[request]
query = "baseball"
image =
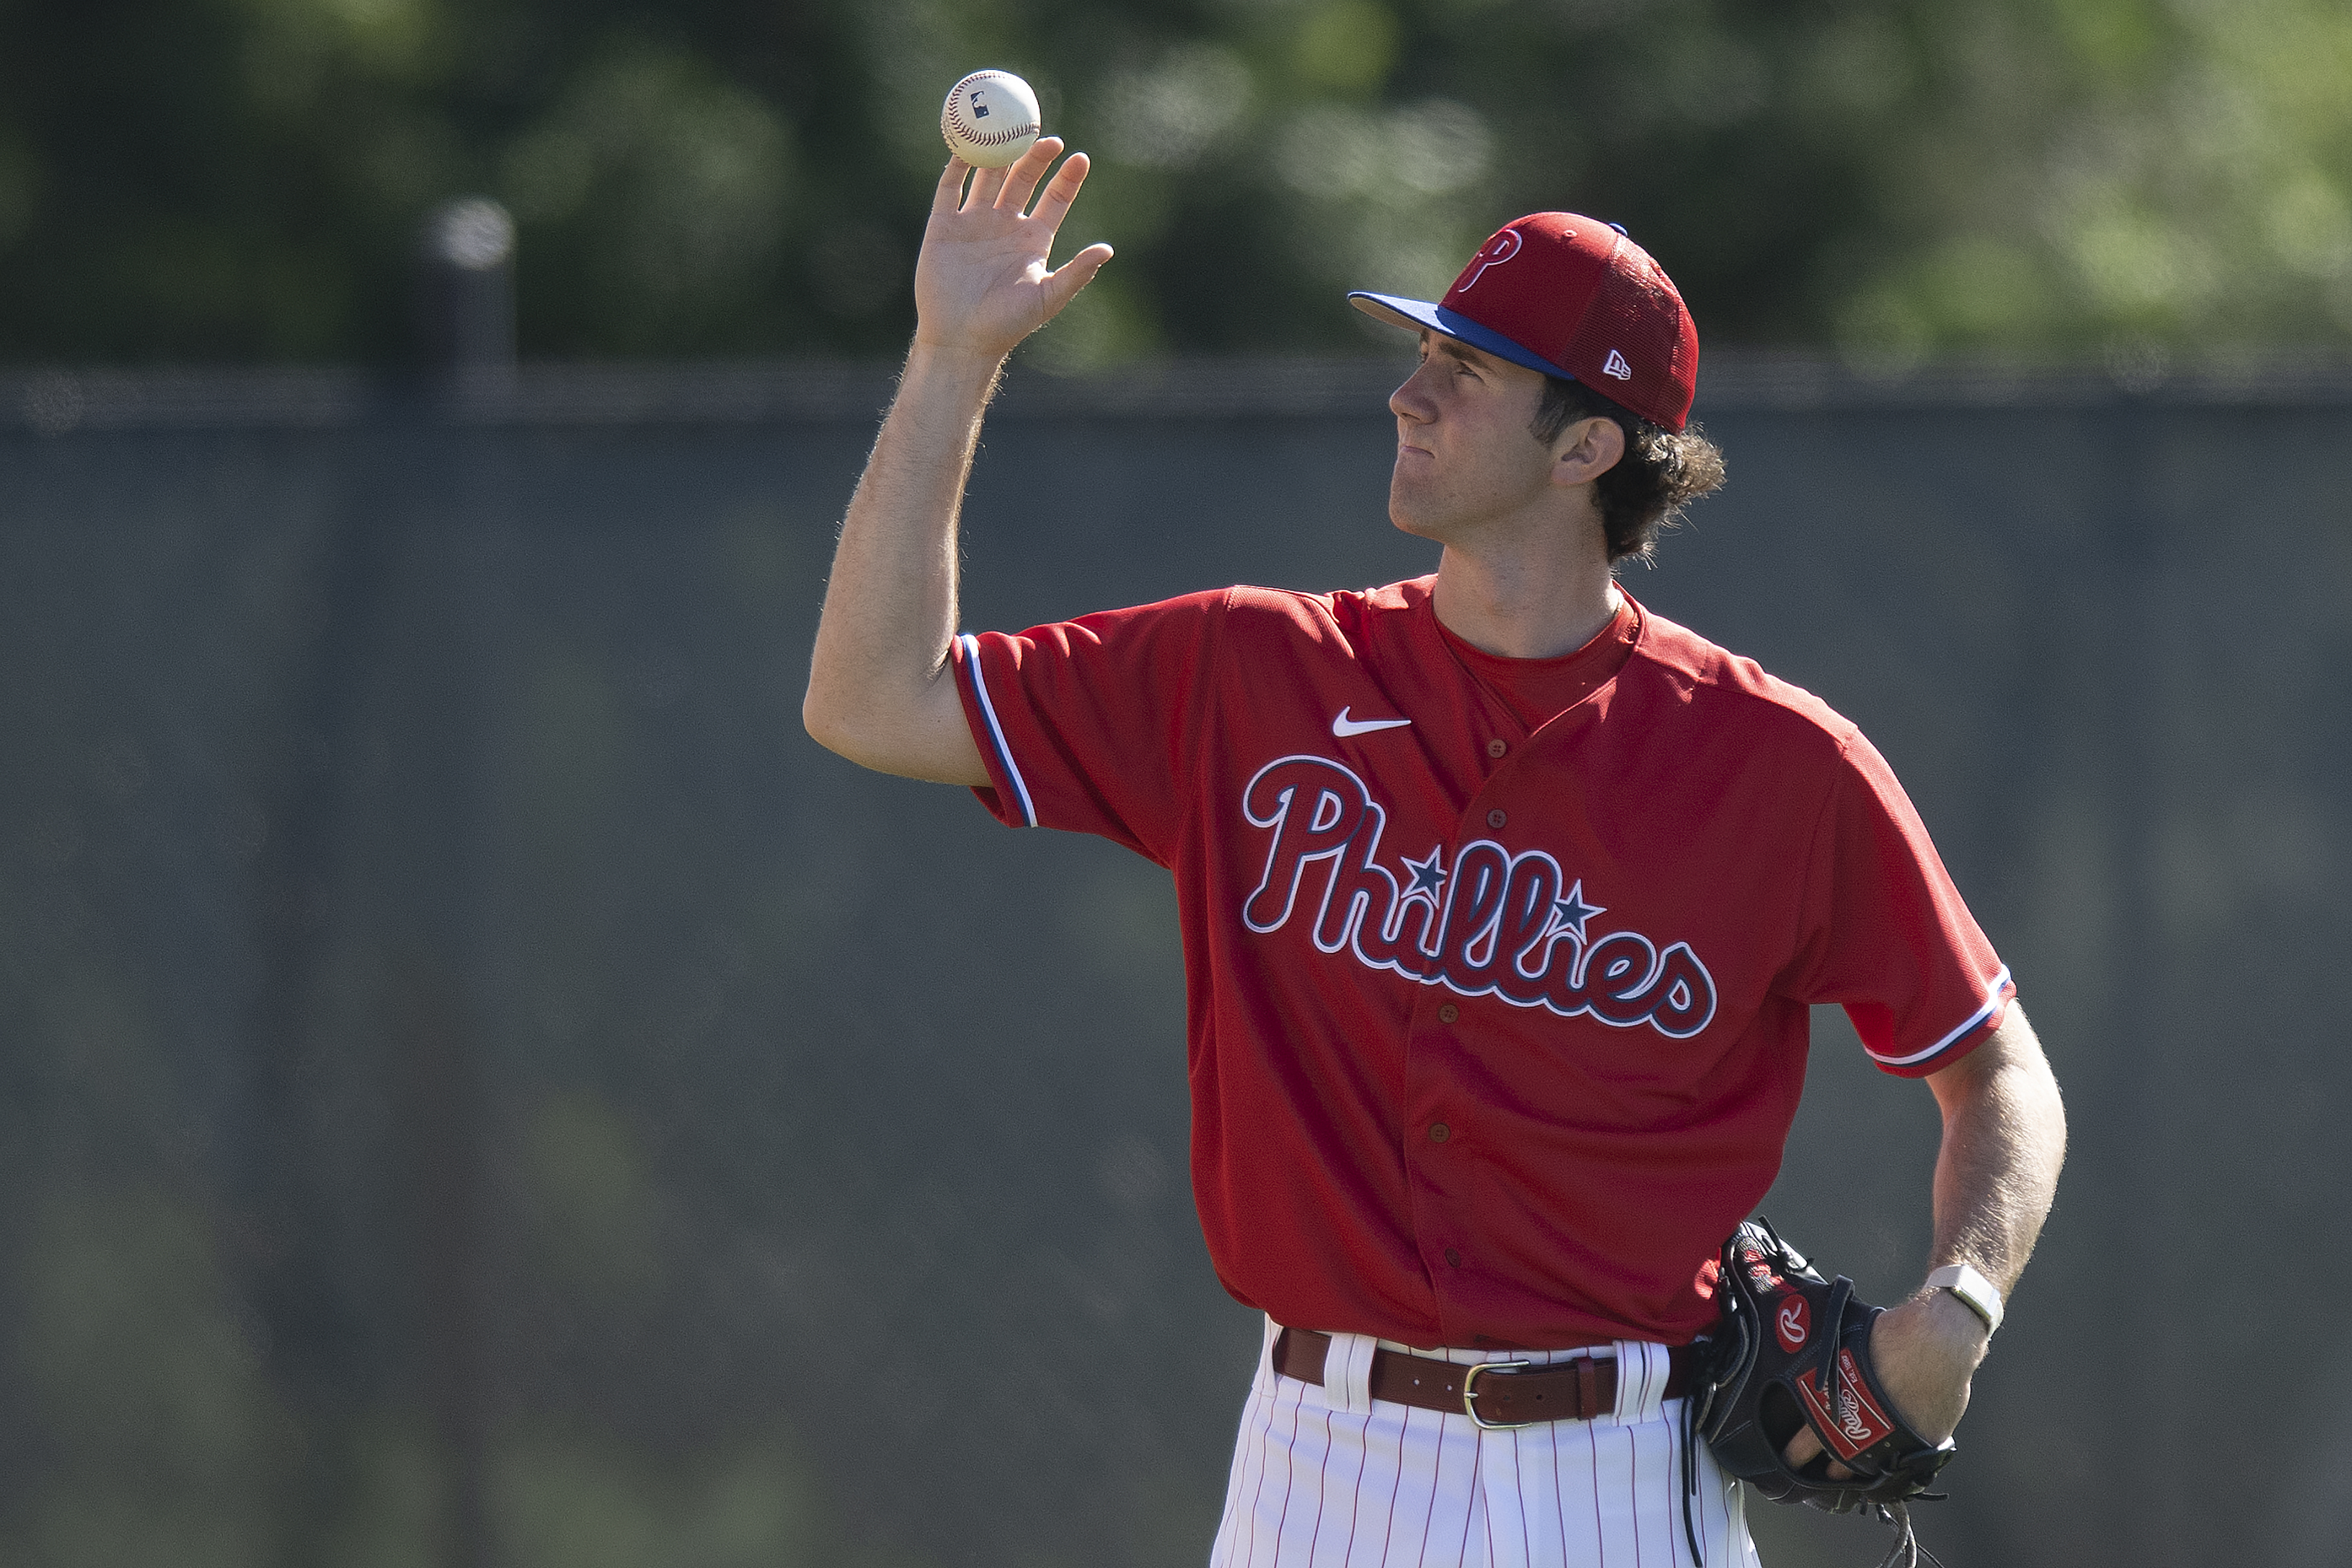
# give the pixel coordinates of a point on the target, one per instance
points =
(989, 119)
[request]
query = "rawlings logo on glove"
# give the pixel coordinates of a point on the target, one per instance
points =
(1758, 1388)
(1788, 1322)
(1857, 1420)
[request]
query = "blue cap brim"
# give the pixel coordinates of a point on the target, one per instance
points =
(1414, 314)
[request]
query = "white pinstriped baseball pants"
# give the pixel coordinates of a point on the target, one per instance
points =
(1325, 1477)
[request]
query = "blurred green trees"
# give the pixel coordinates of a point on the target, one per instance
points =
(238, 179)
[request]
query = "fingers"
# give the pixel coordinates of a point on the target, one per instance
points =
(985, 186)
(1009, 189)
(1799, 1452)
(948, 197)
(1062, 284)
(1021, 178)
(1062, 190)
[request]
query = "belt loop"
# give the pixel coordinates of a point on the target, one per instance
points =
(1642, 1370)
(1348, 1373)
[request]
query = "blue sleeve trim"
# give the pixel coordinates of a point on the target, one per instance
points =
(1975, 1021)
(996, 731)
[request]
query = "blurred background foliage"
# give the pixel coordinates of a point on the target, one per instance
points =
(240, 179)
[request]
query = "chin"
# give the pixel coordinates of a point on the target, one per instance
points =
(1408, 519)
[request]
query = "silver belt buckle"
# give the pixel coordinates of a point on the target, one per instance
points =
(1470, 1390)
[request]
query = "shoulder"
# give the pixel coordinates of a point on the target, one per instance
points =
(1342, 618)
(1162, 625)
(1719, 689)
(1238, 620)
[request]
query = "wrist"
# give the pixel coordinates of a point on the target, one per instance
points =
(1950, 1322)
(946, 360)
(1980, 1295)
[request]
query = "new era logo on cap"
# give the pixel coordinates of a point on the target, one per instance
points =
(1572, 297)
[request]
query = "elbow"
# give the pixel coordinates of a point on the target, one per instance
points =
(850, 726)
(915, 734)
(828, 720)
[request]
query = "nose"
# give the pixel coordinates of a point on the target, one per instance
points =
(1411, 400)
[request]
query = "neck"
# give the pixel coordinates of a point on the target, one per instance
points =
(1525, 603)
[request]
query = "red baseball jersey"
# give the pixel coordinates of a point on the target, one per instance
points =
(1493, 1034)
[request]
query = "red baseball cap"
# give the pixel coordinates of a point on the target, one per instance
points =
(1571, 296)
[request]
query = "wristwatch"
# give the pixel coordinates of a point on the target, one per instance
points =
(1976, 1292)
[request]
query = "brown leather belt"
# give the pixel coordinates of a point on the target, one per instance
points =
(1492, 1394)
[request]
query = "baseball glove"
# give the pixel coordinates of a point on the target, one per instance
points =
(1790, 1349)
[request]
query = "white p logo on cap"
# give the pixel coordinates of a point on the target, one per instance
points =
(1499, 249)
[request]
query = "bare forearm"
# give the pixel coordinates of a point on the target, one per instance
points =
(874, 690)
(2004, 1140)
(879, 692)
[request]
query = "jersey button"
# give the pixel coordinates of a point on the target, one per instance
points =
(1447, 1013)
(1439, 1133)
(1453, 1259)
(1497, 746)
(1495, 818)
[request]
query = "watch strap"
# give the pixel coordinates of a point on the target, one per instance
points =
(1976, 1292)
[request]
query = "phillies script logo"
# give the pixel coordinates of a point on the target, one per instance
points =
(1789, 1323)
(1858, 1421)
(1495, 923)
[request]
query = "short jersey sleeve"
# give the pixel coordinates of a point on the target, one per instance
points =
(1086, 724)
(1884, 933)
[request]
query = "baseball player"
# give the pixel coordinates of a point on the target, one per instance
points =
(1504, 902)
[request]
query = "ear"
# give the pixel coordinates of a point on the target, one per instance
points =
(1586, 451)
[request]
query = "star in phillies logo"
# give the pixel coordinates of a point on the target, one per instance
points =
(1428, 875)
(1494, 923)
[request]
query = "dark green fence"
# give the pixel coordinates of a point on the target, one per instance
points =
(482, 1087)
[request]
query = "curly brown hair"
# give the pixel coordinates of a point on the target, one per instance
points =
(1661, 471)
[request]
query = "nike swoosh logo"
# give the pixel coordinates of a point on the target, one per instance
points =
(1344, 726)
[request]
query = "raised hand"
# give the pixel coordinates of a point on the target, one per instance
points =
(982, 284)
